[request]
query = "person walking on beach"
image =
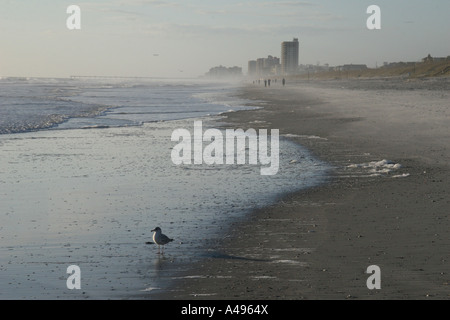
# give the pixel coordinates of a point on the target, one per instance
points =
(268, 82)
(283, 81)
(265, 83)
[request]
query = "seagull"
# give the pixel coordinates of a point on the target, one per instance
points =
(160, 239)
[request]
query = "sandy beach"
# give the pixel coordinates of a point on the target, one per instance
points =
(89, 197)
(386, 203)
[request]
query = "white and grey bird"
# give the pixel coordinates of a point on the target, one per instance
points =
(160, 239)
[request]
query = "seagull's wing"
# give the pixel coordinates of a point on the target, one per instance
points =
(165, 239)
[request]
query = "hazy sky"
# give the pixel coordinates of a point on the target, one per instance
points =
(181, 38)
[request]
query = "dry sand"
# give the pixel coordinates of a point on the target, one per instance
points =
(318, 243)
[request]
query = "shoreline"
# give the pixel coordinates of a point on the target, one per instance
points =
(317, 243)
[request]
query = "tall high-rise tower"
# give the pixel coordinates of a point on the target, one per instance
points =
(289, 57)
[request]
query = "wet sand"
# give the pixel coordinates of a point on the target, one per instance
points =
(318, 243)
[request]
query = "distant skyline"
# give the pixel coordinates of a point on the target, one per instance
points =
(185, 38)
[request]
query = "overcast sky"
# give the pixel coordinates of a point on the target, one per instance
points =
(184, 38)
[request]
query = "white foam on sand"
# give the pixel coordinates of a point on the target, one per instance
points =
(150, 289)
(376, 168)
(404, 175)
(300, 263)
(290, 135)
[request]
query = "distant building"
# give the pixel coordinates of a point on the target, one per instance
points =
(224, 72)
(263, 67)
(289, 57)
(269, 66)
(429, 58)
(260, 67)
(252, 68)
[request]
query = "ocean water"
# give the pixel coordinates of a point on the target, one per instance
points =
(36, 103)
(86, 173)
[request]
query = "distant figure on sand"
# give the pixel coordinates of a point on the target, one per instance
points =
(265, 83)
(283, 81)
(160, 239)
(268, 82)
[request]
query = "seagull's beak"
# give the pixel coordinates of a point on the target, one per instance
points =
(153, 230)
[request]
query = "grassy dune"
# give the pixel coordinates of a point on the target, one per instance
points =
(410, 70)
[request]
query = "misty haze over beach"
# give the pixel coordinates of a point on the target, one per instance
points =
(186, 38)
